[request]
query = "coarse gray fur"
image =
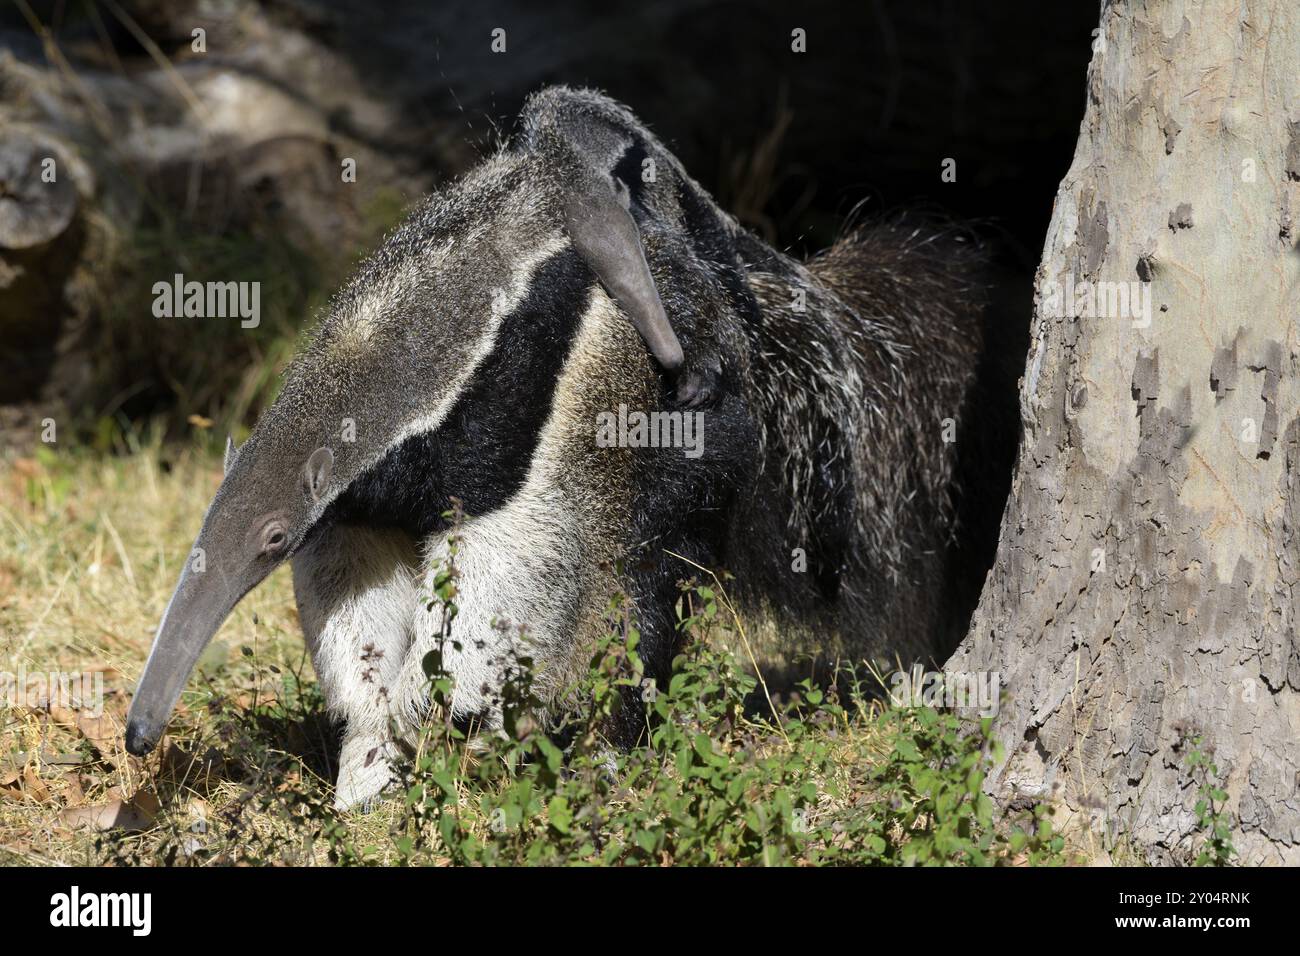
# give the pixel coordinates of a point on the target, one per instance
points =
(471, 355)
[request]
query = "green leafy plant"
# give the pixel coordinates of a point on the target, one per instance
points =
(726, 772)
(1212, 817)
(934, 809)
(717, 780)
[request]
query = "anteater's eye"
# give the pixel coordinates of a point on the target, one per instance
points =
(273, 539)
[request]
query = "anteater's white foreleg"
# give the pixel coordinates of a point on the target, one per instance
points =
(357, 596)
(518, 594)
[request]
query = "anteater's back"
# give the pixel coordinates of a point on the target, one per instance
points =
(861, 362)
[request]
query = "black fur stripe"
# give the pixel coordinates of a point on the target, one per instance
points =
(482, 451)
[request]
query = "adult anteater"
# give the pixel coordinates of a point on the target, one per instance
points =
(484, 353)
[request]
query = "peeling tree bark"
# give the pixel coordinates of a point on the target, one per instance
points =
(1148, 571)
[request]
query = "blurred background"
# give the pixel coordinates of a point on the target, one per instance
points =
(224, 163)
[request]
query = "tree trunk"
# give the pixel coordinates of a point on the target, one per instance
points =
(1148, 569)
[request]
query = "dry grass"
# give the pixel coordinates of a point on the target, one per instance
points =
(90, 548)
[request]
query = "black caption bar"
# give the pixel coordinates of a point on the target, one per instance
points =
(139, 904)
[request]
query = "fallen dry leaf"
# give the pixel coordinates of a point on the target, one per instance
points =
(104, 732)
(73, 795)
(196, 770)
(63, 716)
(135, 814)
(26, 785)
(12, 768)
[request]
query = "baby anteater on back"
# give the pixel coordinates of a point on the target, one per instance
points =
(609, 375)
(861, 364)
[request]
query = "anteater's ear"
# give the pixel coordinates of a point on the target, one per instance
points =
(590, 138)
(229, 458)
(605, 234)
(316, 473)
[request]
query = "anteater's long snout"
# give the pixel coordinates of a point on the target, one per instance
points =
(201, 602)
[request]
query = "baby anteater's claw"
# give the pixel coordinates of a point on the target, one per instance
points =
(698, 384)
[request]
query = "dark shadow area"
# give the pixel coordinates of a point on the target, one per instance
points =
(255, 745)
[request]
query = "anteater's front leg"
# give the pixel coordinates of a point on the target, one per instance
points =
(519, 593)
(357, 596)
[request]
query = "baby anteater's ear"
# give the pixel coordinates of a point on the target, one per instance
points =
(586, 137)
